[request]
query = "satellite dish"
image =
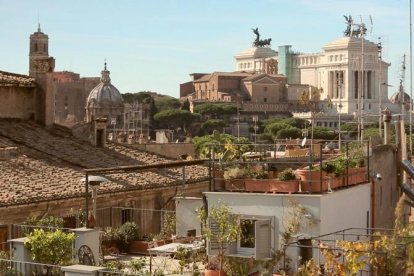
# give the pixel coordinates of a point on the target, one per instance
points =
(303, 142)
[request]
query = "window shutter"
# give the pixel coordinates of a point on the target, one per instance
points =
(212, 243)
(263, 239)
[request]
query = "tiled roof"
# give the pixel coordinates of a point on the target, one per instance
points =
(223, 74)
(7, 78)
(50, 166)
(259, 76)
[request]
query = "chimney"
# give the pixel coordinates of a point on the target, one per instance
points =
(386, 118)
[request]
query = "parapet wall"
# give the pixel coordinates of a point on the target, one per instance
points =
(169, 150)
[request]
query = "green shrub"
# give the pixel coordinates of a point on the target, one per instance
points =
(50, 247)
(110, 234)
(128, 232)
(235, 173)
(286, 174)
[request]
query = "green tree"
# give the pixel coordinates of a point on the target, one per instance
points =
(216, 110)
(275, 127)
(324, 133)
(139, 97)
(173, 118)
(213, 124)
(50, 247)
(295, 122)
(370, 132)
(221, 143)
(291, 132)
(227, 228)
(166, 103)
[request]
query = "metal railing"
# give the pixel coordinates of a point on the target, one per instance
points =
(313, 178)
(16, 268)
(384, 253)
(21, 230)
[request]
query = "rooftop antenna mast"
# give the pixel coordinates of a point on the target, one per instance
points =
(401, 87)
(359, 30)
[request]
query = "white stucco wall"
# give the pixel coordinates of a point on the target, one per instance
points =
(330, 212)
(186, 218)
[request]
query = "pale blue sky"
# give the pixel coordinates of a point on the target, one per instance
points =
(155, 44)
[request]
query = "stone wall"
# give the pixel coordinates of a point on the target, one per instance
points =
(17, 102)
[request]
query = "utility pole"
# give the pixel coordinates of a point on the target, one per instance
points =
(238, 120)
(340, 87)
(402, 80)
(379, 87)
(362, 32)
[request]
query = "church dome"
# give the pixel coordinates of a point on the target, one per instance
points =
(398, 98)
(105, 95)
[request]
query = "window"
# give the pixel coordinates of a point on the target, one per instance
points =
(247, 237)
(126, 215)
(256, 238)
(265, 88)
(265, 100)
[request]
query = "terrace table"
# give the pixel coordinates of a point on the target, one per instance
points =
(168, 250)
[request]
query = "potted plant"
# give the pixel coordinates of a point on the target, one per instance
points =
(258, 180)
(234, 178)
(220, 228)
(212, 268)
(110, 239)
(286, 182)
(334, 172)
(312, 179)
(141, 245)
(127, 232)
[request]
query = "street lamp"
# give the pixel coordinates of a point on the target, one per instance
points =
(94, 181)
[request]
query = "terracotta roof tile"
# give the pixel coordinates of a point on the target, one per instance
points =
(51, 166)
(7, 78)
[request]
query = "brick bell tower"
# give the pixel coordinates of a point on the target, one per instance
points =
(39, 60)
(41, 65)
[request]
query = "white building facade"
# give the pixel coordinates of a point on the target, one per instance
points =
(336, 73)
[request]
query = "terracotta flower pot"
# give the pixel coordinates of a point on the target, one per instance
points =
(312, 181)
(284, 186)
(257, 185)
(208, 272)
(234, 185)
(138, 247)
(336, 182)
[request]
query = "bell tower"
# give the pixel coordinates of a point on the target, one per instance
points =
(39, 60)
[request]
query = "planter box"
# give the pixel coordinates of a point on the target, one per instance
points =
(257, 185)
(336, 182)
(357, 175)
(139, 247)
(235, 185)
(312, 181)
(284, 186)
(271, 185)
